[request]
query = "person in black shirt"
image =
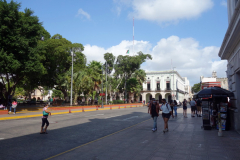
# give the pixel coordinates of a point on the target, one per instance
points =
(153, 109)
(184, 108)
(199, 108)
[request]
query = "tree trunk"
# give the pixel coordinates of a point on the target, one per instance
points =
(75, 98)
(64, 93)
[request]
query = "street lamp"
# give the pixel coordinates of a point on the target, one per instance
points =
(71, 80)
(106, 82)
(102, 87)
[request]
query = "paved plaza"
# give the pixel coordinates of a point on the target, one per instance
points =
(119, 134)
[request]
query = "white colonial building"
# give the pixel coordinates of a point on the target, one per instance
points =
(230, 51)
(165, 85)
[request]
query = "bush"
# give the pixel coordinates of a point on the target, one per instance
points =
(118, 101)
(100, 102)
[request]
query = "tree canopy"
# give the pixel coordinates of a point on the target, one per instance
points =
(31, 58)
(196, 87)
(19, 36)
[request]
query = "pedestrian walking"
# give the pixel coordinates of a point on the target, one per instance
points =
(154, 112)
(45, 119)
(50, 101)
(172, 105)
(166, 113)
(193, 107)
(10, 106)
(199, 108)
(175, 107)
(184, 108)
(14, 106)
(2, 106)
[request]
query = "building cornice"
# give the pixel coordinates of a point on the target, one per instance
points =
(232, 36)
(165, 72)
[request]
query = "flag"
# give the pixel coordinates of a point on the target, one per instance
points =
(127, 52)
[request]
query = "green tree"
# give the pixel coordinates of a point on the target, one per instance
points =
(196, 87)
(126, 65)
(20, 33)
(58, 60)
(140, 76)
(109, 58)
(57, 93)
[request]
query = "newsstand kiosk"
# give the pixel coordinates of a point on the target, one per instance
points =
(206, 115)
(213, 111)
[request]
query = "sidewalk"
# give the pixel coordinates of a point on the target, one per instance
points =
(63, 110)
(185, 140)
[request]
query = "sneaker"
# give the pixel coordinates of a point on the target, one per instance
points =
(199, 116)
(14, 113)
(193, 116)
(166, 129)
(9, 111)
(153, 129)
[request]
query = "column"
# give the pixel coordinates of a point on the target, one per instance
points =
(152, 85)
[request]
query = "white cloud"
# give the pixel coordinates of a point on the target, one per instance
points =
(166, 10)
(224, 3)
(187, 56)
(83, 13)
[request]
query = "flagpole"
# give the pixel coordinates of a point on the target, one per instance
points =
(133, 36)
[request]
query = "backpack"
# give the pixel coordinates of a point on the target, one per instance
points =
(166, 105)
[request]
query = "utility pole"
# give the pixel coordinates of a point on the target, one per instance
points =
(106, 83)
(125, 91)
(71, 80)
(102, 87)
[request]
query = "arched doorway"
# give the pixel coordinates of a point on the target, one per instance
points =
(168, 97)
(158, 97)
(148, 97)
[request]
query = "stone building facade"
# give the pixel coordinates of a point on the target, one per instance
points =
(214, 78)
(230, 51)
(167, 85)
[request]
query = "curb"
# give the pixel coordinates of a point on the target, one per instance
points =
(68, 112)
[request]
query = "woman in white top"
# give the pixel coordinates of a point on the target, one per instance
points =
(166, 113)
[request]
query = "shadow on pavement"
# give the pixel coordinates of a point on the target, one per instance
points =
(39, 146)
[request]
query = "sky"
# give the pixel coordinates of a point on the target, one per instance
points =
(186, 34)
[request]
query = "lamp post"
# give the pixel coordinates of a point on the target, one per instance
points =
(106, 82)
(102, 86)
(71, 80)
(125, 89)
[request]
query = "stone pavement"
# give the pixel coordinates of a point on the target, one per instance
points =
(185, 140)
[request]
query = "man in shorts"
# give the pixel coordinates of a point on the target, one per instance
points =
(199, 108)
(193, 107)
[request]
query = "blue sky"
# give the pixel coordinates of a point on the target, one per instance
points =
(188, 32)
